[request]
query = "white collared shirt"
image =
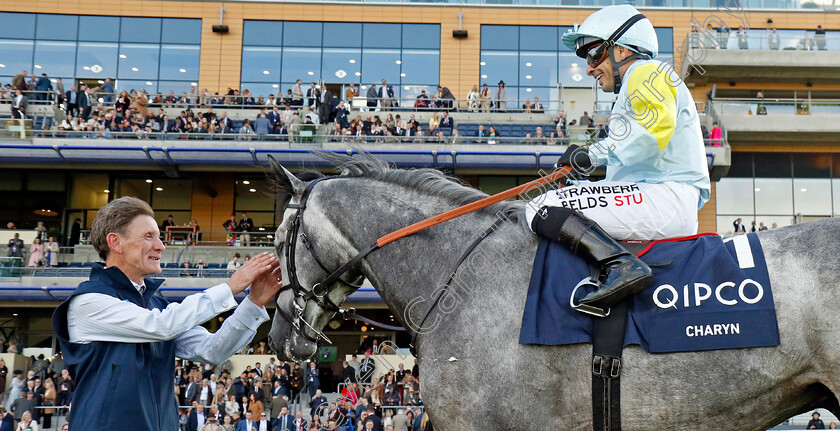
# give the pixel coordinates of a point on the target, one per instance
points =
(99, 317)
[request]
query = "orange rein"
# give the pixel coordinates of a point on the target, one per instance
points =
(477, 205)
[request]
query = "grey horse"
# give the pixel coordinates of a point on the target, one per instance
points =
(475, 375)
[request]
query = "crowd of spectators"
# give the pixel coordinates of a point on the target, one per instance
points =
(263, 397)
(718, 38)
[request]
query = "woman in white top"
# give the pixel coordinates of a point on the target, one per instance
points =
(26, 422)
(472, 98)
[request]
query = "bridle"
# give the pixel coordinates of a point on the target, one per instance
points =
(319, 292)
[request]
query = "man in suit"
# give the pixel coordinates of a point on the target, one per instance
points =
(313, 382)
(43, 86)
(325, 105)
(313, 96)
(342, 115)
(447, 96)
(72, 101)
(225, 125)
(367, 368)
(59, 92)
(246, 424)
(108, 89)
(196, 418)
(739, 227)
(84, 99)
(274, 116)
(447, 122)
(400, 421)
(318, 404)
(481, 132)
(372, 96)
(371, 417)
(300, 423)
(284, 421)
(19, 105)
(191, 393)
(386, 95)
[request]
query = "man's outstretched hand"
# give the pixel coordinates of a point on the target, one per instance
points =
(255, 269)
(266, 286)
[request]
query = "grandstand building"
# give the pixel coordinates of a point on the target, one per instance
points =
(775, 163)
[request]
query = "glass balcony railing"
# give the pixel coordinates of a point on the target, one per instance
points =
(693, 4)
(776, 107)
(760, 39)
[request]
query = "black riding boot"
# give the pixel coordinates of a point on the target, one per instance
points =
(621, 273)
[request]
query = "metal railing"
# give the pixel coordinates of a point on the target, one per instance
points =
(358, 103)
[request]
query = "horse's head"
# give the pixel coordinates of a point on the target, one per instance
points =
(310, 247)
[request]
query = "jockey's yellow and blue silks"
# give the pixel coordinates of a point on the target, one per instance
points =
(655, 132)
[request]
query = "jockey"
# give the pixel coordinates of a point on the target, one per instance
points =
(657, 177)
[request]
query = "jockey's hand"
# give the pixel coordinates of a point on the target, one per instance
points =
(578, 158)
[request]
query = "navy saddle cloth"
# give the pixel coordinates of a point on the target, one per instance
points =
(708, 294)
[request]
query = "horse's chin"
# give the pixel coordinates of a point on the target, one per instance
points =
(295, 349)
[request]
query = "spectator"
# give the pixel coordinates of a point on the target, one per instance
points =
(584, 119)
(738, 226)
(434, 123)
(501, 97)
(716, 135)
(246, 224)
(723, 36)
(15, 388)
(246, 131)
(537, 107)
(197, 417)
(819, 38)
(815, 423)
(27, 423)
(19, 81)
(44, 86)
(743, 38)
(16, 247)
(492, 135)
(262, 125)
(773, 39)
(65, 388)
(325, 104)
(485, 98)
(373, 418)
(24, 405)
(760, 108)
(473, 99)
(36, 253)
(317, 403)
(231, 227)
(7, 421)
(386, 95)
(313, 381)
(448, 99)
(372, 96)
(234, 264)
(350, 93)
(19, 105)
(48, 399)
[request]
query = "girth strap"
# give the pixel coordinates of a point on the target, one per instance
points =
(607, 345)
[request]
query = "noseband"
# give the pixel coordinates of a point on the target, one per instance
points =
(318, 292)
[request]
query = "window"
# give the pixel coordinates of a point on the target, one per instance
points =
(23, 28)
(138, 61)
(140, 30)
(261, 64)
(179, 62)
(96, 59)
(54, 58)
(181, 31)
(99, 28)
(56, 27)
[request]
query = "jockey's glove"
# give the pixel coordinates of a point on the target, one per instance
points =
(578, 158)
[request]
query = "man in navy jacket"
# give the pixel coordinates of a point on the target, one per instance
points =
(120, 340)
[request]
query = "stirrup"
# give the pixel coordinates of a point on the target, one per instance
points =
(584, 308)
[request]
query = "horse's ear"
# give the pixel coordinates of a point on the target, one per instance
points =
(287, 184)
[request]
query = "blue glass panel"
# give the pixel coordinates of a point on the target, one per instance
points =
(177, 87)
(260, 88)
(54, 58)
(421, 36)
(501, 37)
(179, 62)
(140, 30)
(420, 67)
(96, 59)
(301, 63)
(138, 61)
(537, 38)
(15, 56)
(296, 33)
(537, 68)
(99, 28)
(57, 27)
(23, 28)
(499, 66)
(263, 33)
(341, 65)
(342, 34)
(128, 85)
(381, 35)
(572, 72)
(379, 64)
(261, 64)
(666, 39)
(181, 31)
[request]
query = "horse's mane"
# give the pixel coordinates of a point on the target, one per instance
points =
(428, 181)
